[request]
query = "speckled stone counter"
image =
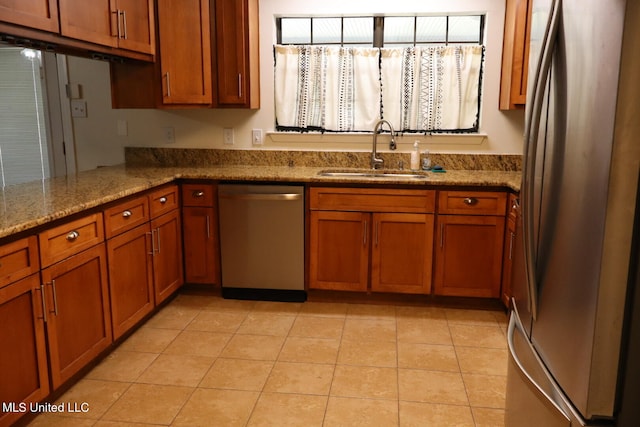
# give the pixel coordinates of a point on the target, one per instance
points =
(26, 206)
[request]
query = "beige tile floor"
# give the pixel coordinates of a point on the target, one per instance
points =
(206, 361)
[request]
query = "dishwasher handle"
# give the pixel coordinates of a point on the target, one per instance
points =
(261, 196)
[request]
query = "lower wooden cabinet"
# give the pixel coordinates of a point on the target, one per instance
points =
(401, 252)
(371, 239)
(339, 250)
(23, 358)
(130, 278)
(201, 253)
(468, 259)
(167, 255)
(78, 312)
(509, 243)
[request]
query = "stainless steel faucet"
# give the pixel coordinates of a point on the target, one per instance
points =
(375, 160)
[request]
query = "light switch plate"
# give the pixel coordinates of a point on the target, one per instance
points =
(256, 136)
(227, 136)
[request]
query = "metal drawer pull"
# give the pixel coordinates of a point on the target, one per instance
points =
(198, 193)
(55, 297)
(168, 85)
(124, 24)
(126, 214)
(73, 236)
(153, 247)
(470, 201)
(163, 200)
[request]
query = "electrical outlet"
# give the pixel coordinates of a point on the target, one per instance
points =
(256, 137)
(169, 135)
(78, 108)
(227, 136)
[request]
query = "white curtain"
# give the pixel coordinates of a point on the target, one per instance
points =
(431, 88)
(417, 89)
(327, 87)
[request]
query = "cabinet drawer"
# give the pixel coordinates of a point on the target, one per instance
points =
(372, 200)
(18, 259)
(163, 200)
(198, 194)
(126, 215)
(61, 242)
(472, 203)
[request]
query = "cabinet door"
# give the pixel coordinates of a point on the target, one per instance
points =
(339, 250)
(167, 259)
(507, 262)
(94, 21)
(515, 54)
(137, 28)
(39, 14)
(23, 359)
(78, 318)
(237, 53)
(201, 254)
(185, 51)
(401, 254)
(469, 255)
(130, 278)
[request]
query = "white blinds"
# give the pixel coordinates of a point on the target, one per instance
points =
(417, 89)
(23, 147)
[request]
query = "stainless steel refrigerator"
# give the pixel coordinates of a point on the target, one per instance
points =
(574, 330)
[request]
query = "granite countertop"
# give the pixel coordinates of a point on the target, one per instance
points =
(25, 206)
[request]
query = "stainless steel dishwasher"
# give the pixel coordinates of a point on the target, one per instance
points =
(262, 241)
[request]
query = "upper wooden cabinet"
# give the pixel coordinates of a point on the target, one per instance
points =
(515, 54)
(40, 14)
(237, 45)
(185, 51)
(124, 24)
(208, 58)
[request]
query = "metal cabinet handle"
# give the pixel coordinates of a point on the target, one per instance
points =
(376, 232)
(364, 233)
(153, 248)
(511, 245)
(163, 200)
(124, 23)
(55, 297)
(198, 193)
(239, 85)
(208, 227)
(441, 235)
(470, 201)
(44, 303)
(72, 236)
(158, 238)
(168, 84)
(117, 14)
(126, 214)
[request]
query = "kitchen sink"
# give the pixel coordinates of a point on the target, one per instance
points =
(372, 173)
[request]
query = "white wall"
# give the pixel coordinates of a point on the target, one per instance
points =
(97, 141)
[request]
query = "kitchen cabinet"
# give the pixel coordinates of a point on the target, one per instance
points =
(371, 239)
(78, 312)
(200, 233)
(130, 266)
(38, 14)
(123, 24)
(509, 241)
(23, 369)
(166, 235)
(469, 243)
(237, 57)
(515, 54)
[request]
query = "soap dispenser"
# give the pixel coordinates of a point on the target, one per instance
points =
(415, 157)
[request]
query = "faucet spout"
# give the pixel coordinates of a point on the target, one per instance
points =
(375, 160)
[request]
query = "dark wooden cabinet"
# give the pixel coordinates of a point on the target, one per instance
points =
(124, 24)
(469, 243)
(237, 53)
(167, 259)
(130, 278)
(38, 14)
(339, 250)
(515, 54)
(371, 239)
(200, 233)
(402, 252)
(23, 359)
(509, 242)
(78, 312)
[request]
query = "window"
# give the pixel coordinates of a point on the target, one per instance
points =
(24, 154)
(381, 31)
(343, 74)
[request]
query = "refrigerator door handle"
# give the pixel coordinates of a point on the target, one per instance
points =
(532, 127)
